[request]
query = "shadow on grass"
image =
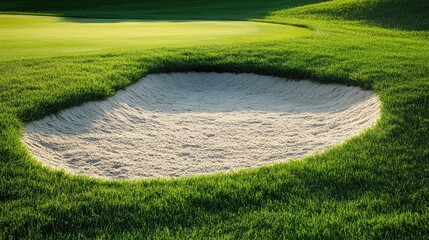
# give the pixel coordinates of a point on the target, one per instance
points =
(76, 11)
(404, 14)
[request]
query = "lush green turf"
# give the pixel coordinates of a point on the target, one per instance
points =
(402, 14)
(373, 186)
(168, 10)
(37, 36)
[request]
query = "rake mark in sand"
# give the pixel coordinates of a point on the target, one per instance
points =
(183, 124)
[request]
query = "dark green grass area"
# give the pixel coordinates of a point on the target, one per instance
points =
(402, 14)
(375, 186)
(168, 10)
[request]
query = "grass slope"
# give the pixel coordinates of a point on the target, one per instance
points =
(401, 14)
(374, 186)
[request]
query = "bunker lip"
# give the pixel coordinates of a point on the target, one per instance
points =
(184, 124)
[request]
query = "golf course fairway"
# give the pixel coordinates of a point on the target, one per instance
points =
(41, 36)
(373, 185)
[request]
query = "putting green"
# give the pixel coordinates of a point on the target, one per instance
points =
(24, 36)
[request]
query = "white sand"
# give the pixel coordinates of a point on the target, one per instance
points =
(182, 124)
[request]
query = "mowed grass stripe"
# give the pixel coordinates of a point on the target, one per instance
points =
(40, 36)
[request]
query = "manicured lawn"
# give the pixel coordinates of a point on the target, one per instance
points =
(165, 10)
(373, 186)
(38, 36)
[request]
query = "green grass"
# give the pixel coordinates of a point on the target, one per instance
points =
(401, 14)
(38, 36)
(374, 186)
(166, 10)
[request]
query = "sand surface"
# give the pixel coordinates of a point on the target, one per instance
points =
(182, 124)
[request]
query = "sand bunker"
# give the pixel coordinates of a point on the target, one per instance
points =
(182, 124)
